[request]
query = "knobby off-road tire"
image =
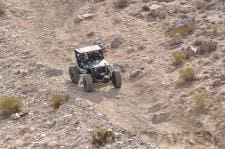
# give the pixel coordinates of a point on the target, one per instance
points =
(74, 74)
(88, 83)
(116, 79)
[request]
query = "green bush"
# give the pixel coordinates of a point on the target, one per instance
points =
(199, 100)
(187, 74)
(10, 105)
(102, 137)
(2, 8)
(58, 98)
(178, 58)
(182, 31)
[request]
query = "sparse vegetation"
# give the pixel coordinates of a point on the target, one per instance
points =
(178, 58)
(199, 4)
(58, 98)
(120, 4)
(187, 74)
(184, 10)
(10, 105)
(116, 20)
(2, 8)
(102, 137)
(182, 31)
(38, 39)
(199, 101)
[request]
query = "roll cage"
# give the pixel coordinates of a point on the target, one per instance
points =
(86, 57)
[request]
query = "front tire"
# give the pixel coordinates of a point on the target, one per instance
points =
(88, 83)
(74, 74)
(116, 79)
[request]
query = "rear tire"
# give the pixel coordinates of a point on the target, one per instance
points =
(74, 74)
(116, 79)
(88, 83)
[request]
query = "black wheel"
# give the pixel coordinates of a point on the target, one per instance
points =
(116, 79)
(74, 74)
(88, 83)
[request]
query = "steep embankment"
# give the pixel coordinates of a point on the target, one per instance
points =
(36, 48)
(38, 39)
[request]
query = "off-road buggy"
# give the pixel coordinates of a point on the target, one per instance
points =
(94, 68)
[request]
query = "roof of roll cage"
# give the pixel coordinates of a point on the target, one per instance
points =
(88, 49)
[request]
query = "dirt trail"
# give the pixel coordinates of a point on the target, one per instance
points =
(56, 36)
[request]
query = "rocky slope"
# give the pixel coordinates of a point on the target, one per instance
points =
(152, 109)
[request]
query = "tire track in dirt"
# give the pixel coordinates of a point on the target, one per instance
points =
(55, 36)
(123, 106)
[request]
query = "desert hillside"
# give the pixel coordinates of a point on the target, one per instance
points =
(171, 54)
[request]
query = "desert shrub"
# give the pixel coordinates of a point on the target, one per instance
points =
(178, 58)
(199, 101)
(116, 20)
(10, 105)
(102, 137)
(199, 4)
(182, 31)
(184, 10)
(2, 8)
(120, 4)
(58, 98)
(187, 74)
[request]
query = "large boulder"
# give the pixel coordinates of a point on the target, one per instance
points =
(137, 73)
(146, 7)
(185, 9)
(116, 42)
(160, 118)
(157, 11)
(154, 11)
(182, 26)
(187, 21)
(83, 17)
(204, 46)
(200, 46)
(28, 89)
(176, 40)
(189, 52)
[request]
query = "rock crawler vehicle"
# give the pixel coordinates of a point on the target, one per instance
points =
(92, 66)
